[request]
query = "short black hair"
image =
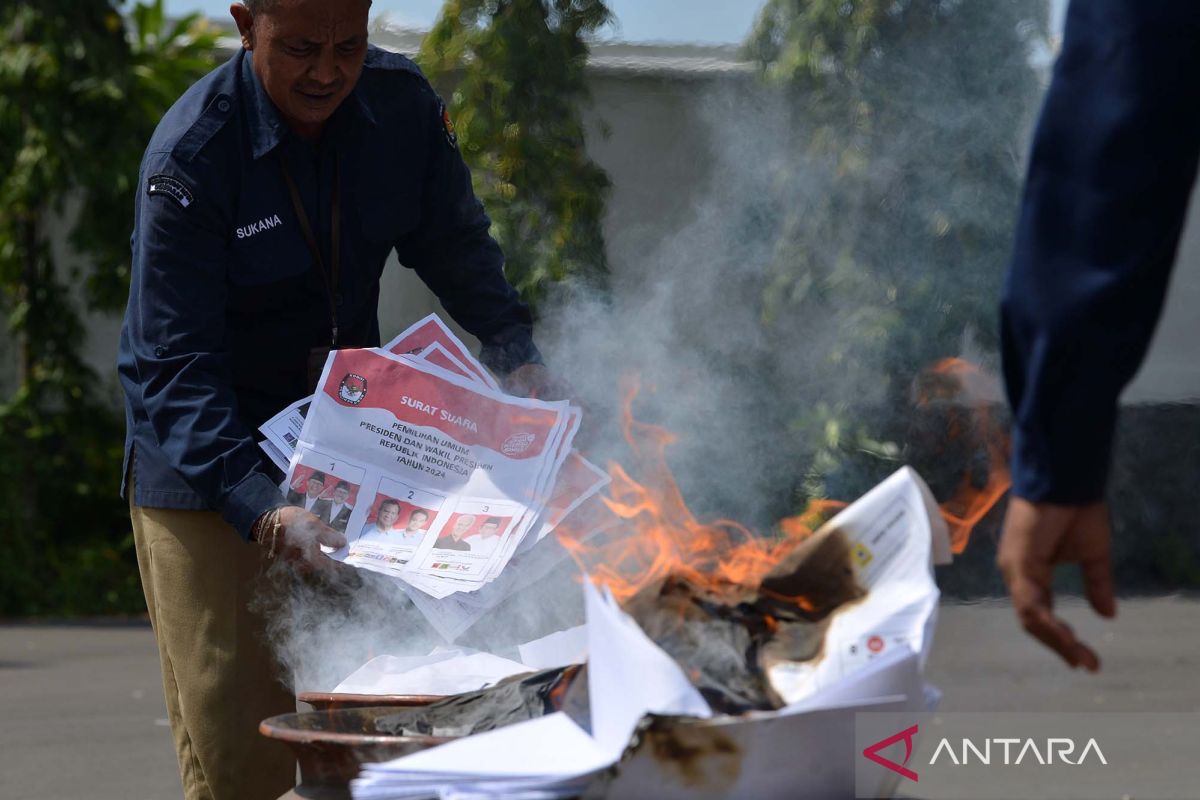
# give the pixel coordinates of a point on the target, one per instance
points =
(492, 521)
(389, 502)
(420, 511)
(342, 485)
(257, 6)
(317, 476)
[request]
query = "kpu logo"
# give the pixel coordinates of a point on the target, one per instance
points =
(906, 736)
(353, 388)
(517, 443)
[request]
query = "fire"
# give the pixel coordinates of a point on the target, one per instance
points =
(656, 536)
(965, 394)
(661, 537)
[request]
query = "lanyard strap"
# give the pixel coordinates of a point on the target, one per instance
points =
(329, 276)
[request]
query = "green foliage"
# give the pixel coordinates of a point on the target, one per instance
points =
(907, 123)
(514, 74)
(79, 98)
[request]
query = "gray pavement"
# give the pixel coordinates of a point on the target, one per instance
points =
(83, 717)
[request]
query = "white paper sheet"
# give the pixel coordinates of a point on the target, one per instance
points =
(894, 540)
(556, 650)
(414, 339)
(442, 458)
(438, 577)
(630, 676)
(421, 342)
(447, 673)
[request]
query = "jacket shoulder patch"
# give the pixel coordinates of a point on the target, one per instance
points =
(170, 187)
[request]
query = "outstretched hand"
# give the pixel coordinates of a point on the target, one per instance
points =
(1036, 538)
(301, 536)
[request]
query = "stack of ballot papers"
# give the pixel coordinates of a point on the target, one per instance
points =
(804, 750)
(436, 476)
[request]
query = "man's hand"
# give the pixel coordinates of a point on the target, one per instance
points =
(1038, 536)
(301, 535)
(534, 380)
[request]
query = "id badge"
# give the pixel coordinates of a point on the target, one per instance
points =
(317, 357)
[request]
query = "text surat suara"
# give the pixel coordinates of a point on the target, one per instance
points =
(449, 476)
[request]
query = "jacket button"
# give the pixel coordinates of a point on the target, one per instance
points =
(223, 106)
(160, 351)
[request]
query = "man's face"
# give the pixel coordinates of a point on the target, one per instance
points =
(462, 525)
(487, 529)
(340, 494)
(315, 487)
(416, 520)
(308, 55)
(387, 516)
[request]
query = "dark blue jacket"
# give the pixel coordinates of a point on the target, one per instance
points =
(225, 302)
(1113, 161)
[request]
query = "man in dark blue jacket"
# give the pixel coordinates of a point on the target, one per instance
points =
(270, 197)
(1113, 162)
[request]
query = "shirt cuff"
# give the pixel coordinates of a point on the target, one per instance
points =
(1071, 471)
(509, 349)
(249, 500)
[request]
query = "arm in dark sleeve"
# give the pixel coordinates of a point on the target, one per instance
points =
(177, 347)
(457, 258)
(1113, 161)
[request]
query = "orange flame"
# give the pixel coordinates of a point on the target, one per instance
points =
(661, 537)
(966, 385)
(657, 536)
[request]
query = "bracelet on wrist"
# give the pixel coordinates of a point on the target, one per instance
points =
(267, 526)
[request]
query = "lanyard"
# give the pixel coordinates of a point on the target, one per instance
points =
(329, 276)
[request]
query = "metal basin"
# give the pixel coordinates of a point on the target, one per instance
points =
(332, 745)
(329, 701)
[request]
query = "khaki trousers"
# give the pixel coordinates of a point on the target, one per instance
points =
(219, 677)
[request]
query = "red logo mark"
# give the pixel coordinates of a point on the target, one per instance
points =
(517, 443)
(872, 753)
(353, 388)
(875, 644)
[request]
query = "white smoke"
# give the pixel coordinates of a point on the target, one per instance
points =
(723, 356)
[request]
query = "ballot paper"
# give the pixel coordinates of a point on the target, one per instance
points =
(453, 616)
(440, 505)
(429, 339)
(430, 331)
(282, 431)
(804, 750)
(449, 472)
(895, 537)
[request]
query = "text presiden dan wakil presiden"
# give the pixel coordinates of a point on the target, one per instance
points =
(269, 199)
